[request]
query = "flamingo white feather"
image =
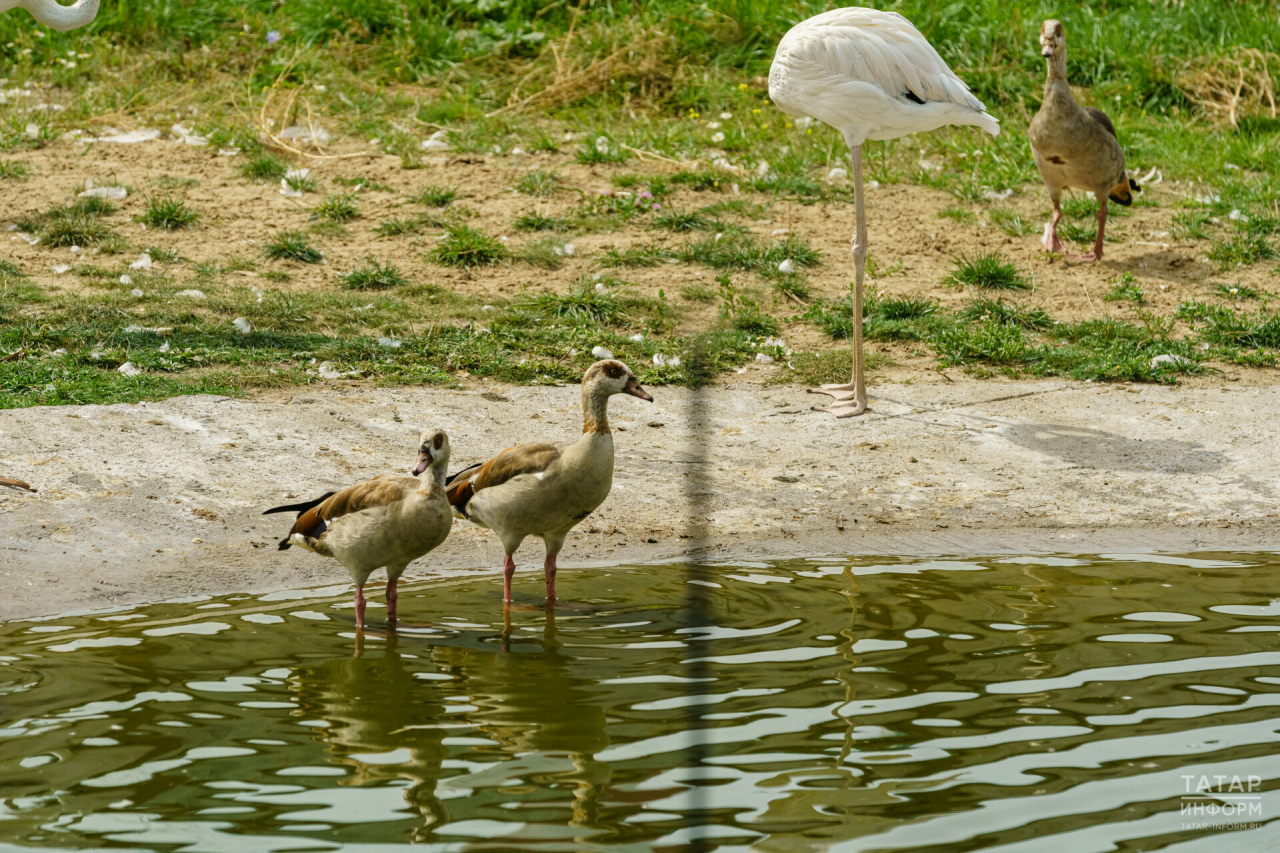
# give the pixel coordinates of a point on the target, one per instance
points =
(53, 15)
(870, 75)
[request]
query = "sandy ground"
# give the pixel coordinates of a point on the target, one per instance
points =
(160, 500)
(907, 235)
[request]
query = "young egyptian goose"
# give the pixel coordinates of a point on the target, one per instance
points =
(1075, 146)
(546, 489)
(388, 521)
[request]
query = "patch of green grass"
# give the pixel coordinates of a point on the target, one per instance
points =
(1078, 206)
(292, 246)
(464, 246)
(636, 255)
(1190, 225)
(1240, 251)
(168, 213)
(987, 271)
(681, 221)
(372, 275)
(328, 228)
(958, 214)
(702, 180)
(538, 183)
(602, 150)
(548, 253)
(161, 255)
(338, 208)
(399, 227)
(540, 222)
(992, 343)
(743, 313)
(433, 195)
(984, 309)
(584, 304)
(793, 285)
(697, 293)
(278, 276)
(13, 170)
(70, 227)
(1126, 289)
(1011, 222)
(264, 167)
(92, 206)
(743, 252)
(827, 367)
(1235, 292)
(904, 308)
(10, 271)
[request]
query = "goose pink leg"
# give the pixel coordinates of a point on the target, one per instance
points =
(1050, 240)
(392, 597)
(508, 572)
(851, 399)
(1096, 254)
(360, 608)
(549, 571)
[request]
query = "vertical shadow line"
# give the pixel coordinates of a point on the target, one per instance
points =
(697, 493)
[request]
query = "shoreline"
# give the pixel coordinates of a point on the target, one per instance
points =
(966, 468)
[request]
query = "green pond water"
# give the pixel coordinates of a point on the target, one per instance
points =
(1009, 704)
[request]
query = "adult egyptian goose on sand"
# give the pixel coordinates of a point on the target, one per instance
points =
(388, 521)
(546, 489)
(1075, 146)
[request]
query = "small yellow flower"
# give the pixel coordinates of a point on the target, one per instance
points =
(809, 131)
(788, 125)
(755, 112)
(764, 127)
(742, 87)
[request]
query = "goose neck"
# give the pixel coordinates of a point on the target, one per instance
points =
(595, 410)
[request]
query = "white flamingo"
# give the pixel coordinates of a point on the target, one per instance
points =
(53, 15)
(870, 75)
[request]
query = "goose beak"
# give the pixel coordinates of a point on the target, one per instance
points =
(633, 388)
(424, 462)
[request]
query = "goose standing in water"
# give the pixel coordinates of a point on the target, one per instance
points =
(870, 75)
(388, 521)
(546, 489)
(1075, 146)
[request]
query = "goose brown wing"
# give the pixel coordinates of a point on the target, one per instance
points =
(1101, 118)
(380, 491)
(512, 462)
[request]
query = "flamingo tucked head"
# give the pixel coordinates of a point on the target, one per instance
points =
(1052, 39)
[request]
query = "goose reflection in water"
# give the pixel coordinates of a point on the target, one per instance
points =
(530, 717)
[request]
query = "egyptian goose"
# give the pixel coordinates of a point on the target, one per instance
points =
(1075, 146)
(546, 489)
(388, 521)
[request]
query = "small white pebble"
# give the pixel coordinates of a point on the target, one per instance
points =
(127, 279)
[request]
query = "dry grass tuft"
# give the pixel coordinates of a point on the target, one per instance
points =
(1231, 87)
(583, 65)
